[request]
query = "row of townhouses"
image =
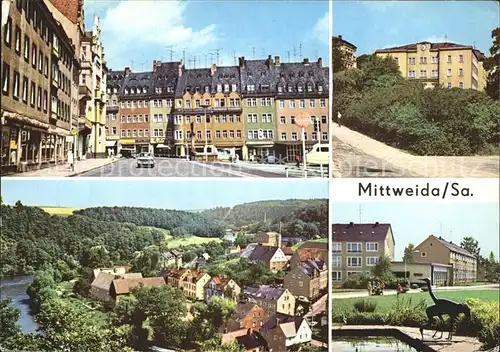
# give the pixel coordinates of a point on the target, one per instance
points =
(53, 83)
(444, 64)
(250, 109)
(357, 248)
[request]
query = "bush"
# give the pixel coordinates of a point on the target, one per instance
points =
(484, 322)
(365, 306)
(357, 281)
(357, 318)
(405, 313)
(414, 286)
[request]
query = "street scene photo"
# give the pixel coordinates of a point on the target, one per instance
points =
(165, 89)
(415, 276)
(85, 267)
(416, 89)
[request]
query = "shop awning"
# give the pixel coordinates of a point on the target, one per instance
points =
(163, 146)
(110, 143)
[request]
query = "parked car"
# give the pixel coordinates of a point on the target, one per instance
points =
(145, 159)
(224, 155)
(270, 159)
(319, 155)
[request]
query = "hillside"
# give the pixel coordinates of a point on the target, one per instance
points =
(178, 222)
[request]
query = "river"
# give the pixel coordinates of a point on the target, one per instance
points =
(15, 289)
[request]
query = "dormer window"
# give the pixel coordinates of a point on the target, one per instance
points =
(170, 89)
(299, 88)
(207, 89)
(249, 74)
(115, 90)
(219, 88)
(126, 90)
(262, 73)
(290, 89)
(280, 89)
(309, 88)
(138, 90)
(197, 89)
(226, 88)
(144, 90)
(301, 74)
(265, 87)
(320, 88)
(250, 88)
(188, 89)
(234, 88)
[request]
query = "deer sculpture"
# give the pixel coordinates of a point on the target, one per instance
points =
(442, 306)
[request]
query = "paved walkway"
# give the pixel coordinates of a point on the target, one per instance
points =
(421, 166)
(64, 170)
(458, 344)
(388, 292)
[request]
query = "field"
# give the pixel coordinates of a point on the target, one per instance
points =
(63, 211)
(184, 241)
(298, 245)
(385, 303)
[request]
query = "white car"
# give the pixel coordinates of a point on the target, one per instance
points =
(145, 159)
(319, 155)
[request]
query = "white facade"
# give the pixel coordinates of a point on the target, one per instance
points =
(303, 335)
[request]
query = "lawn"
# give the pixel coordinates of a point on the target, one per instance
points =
(385, 303)
(184, 241)
(298, 245)
(63, 211)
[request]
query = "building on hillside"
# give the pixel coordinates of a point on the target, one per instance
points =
(273, 299)
(247, 315)
(282, 331)
(272, 239)
(356, 248)
(305, 253)
(448, 65)
(438, 250)
(308, 280)
(172, 258)
(249, 340)
(440, 274)
(122, 287)
(176, 277)
(101, 285)
(347, 50)
(116, 270)
(272, 257)
(38, 65)
(233, 250)
(288, 251)
(190, 281)
(223, 288)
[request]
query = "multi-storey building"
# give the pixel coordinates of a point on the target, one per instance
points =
(272, 299)
(38, 62)
(356, 248)
(438, 250)
(308, 279)
(113, 87)
(272, 239)
(347, 50)
(248, 109)
(440, 64)
(134, 111)
(282, 331)
(247, 315)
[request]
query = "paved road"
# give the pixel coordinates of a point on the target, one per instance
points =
(171, 167)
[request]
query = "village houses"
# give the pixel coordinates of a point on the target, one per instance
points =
(308, 280)
(282, 331)
(223, 288)
(272, 299)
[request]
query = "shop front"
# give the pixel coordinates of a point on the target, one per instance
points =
(290, 150)
(256, 151)
(126, 147)
(143, 145)
(111, 146)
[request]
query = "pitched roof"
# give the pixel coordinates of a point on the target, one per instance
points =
(251, 340)
(103, 281)
(360, 232)
(315, 244)
(124, 286)
(242, 309)
(131, 275)
(434, 47)
(306, 254)
(341, 41)
(287, 250)
(289, 324)
(310, 266)
(248, 250)
(454, 248)
(265, 292)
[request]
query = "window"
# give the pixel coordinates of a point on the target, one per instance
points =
(32, 94)
(423, 254)
(371, 261)
(460, 58)
(40, 61)
(449, 59)
(5, 79)
(449, 72)
(282, 104)
(178, 134)
(423, 73)
(33, 55)
(411, 61)
(324, 136)
(25, 89)
(312, 103)
(336, 247)
(354, 247)
(291, 104)
(322, 103)
(8, 32)
(460, 72)
(371, 246)
(46, 67)
(302, 103)
(267, 118)
(26, 48)
(449, 85)
(336, 261)
(283, 136)
(411, 74)
(460, 84)
(18, 40)
(294, 136)
(423, 60)
(354, 261)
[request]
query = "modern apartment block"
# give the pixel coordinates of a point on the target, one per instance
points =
(440, 64)
(356, 248)
(248, 109)
(438, 250)
(38, 67)
(347, 49)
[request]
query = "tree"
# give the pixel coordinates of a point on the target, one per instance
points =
(492, 269)
(407, 256)
(208, 318)
(241, 240)
(338, 55)
(8, 321)
(493, 67)
(382, 270)
(215, 345)
(471, 245)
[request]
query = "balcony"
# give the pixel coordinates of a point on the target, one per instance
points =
(86, 65)
(84, 92)
(84, 123)
(211, 110)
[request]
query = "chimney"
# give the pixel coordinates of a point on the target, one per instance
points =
(277, 322)
(306, 61)
(241, 61)
(269, 60)
(376, 224)
(320, 62)
(127, 71)
(181, 68)
(213, 69)
(277, 60)
(340, 36)
(351, 224)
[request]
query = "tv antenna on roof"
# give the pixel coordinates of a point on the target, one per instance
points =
(288, 55)
(170, 51)
(300, 51)
(360, 210)
(184, 55)
(253, 52)
(217, 54)
(234, 57)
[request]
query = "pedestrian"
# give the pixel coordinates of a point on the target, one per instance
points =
(297, 159)
(369, 288)
(339, 118)
(71, 161)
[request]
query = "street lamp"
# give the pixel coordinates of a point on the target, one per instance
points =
(206, 106)
(404, 259)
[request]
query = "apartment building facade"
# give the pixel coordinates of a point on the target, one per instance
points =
(437, 250)
(235, 108)
(38, 63)
(356, 248)
(347, 50)
(448, 65)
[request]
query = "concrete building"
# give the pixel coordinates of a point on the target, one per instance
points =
(448, 65)
(273, 299)
(438, 250)
(356, 248)
(347, 50)
(308, 279)
(38, 62)
(440, 274)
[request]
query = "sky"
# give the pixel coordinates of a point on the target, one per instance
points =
(168, 194)
(415, 222)
(372, 25)
(141, 30)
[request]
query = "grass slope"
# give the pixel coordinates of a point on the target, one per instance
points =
(184, 241)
